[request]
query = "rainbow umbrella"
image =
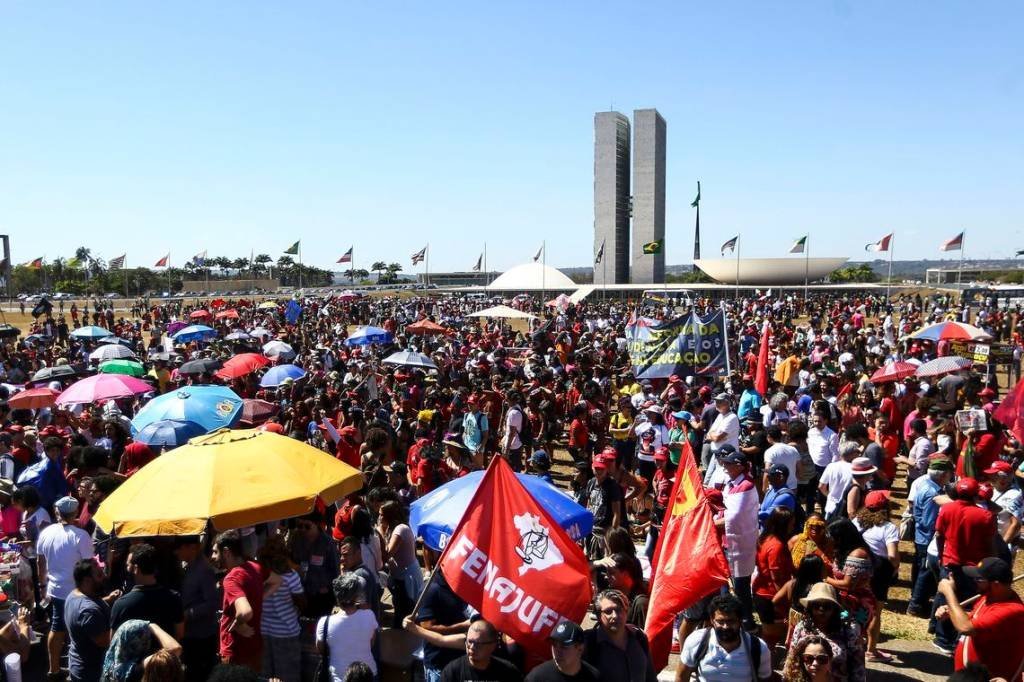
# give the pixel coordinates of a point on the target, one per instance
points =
(951, 331)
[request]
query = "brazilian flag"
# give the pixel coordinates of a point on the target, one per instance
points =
(651, 248)
(293, 249)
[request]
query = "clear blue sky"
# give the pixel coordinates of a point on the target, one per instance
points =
(148, 127)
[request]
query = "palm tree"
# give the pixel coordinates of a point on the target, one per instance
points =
(379, 267)
(393, 270)
(262, 261)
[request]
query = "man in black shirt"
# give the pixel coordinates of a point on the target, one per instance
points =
(148, 600)
(444, 613)
(603, 496)
(479, 664)
(566, 664)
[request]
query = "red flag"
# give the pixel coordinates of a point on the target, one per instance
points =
(1010, 412)
(688, 561)
(514, 564)
(162, 263)
(761, 379)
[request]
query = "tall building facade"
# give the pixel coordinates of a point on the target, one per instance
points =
(611, 197)
(649, 133)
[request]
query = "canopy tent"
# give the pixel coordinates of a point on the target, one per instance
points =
(504, 312)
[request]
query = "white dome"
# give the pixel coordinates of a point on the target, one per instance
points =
(532, 277)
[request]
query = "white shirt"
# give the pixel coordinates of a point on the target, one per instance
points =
(823, 444)
(741, 507)
(62, 546)
(780, 453)
(837, 478)
(729, 424)
(879, 537)
(348, 640)
(719, 665)
(514, 420)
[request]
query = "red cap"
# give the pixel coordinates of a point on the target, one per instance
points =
(704, 390)
(472, 400)
(999, 467)
(674, 379)
(599, 463)
(985, 491)
(967, 488)
(609, 452)
(877, 499)
(661, 454)
(273, 427)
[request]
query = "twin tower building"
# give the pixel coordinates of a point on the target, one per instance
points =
(628, 215)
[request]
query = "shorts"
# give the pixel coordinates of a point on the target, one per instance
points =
(765, 610)
(57, 616)
(882, 579)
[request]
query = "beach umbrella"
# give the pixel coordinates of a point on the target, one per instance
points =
(168, 433)
(199, 314)
(200, 366)
(115, 339)
(242, 364)
(230, 313)
(256, 411)
(434, 516)
(954, 331)
(227, 479)
(35, 338)
(53, 373)
(91, 332)
(212, 407)
(943, 365)
(103, 387)
(267, 305)
(111, 351)
(195, 332)
(275, 376)
(34, 398)
(408, 358)
(425, 327)
(364, 336)
(261, 333)
(130, 368)
(894, 371)
(238, 336)
(278, 350)
(175, 327)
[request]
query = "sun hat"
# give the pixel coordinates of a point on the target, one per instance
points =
(820, 592)
(862, 466)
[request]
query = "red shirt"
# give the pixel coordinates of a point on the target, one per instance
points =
(773, 559)
(986, 449)
(998, 639)
(244, 580)
(967, 530)
(579, 434)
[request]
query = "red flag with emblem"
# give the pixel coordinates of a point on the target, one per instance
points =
(688, 561)
(514, 564)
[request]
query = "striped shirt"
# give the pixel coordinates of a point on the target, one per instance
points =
(280, 617)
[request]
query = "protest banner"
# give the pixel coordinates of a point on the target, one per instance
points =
(685, 346)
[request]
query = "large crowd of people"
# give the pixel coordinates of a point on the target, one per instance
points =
(803, 479)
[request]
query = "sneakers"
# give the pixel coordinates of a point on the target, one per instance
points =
(915, 611)
(943, 648)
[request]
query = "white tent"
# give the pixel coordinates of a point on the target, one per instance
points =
(532, 277)
(503, 311)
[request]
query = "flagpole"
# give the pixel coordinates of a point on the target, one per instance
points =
(300, 264)
(543, 274)
(807, 263)
(124, 274)
(960, 268)
(604, 270)
(737, 292)
(207, 268)
(486, 276)
(426, 268)
(888, 281)
(725, 329)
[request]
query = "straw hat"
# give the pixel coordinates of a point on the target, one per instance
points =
(820, 592)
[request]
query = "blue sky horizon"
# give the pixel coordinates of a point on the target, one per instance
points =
(235, 126)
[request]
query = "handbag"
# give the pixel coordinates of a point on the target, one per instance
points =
(323, 670)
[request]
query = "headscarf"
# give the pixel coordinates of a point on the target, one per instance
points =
(136, 455)
(129, 647)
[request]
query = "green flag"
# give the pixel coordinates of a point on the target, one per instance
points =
(696, 202)
(799, 245)
(293, 250)
(651, 248)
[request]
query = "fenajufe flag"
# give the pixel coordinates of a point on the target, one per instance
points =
(954, 244)
(651, 248)
(514, 564)
(347, 257)
(688, 560)
(881, 245)
(293, 250)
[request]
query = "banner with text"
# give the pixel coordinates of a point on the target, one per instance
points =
(983, 353)
(685, 346)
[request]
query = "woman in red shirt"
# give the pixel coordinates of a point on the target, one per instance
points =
(579, 433)
(774, 570)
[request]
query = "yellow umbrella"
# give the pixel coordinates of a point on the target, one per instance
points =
(228, 478)
(267, 305)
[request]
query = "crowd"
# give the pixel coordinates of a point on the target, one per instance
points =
(803, 479)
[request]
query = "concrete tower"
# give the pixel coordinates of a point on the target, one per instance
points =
(611, 197)
(649, 133)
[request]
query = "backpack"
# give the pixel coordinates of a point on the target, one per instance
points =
(751, 644)
(525, 431)
(840, 511)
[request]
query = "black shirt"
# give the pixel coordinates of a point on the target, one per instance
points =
(499, 670)
(441, 606)
(153, 603)
(549, 672)
(601, 498)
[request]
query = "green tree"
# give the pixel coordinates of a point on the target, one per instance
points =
(861, 272)
(392, 272)
(379, 267)
(263, 262)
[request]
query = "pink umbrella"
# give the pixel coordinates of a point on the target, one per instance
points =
(894, 371)
(103, 387)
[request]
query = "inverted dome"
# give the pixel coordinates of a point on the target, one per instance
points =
(768, 271)
(531, 277)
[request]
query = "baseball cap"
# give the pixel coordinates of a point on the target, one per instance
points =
(599, 463)
(723, 398)
(967, 487)
(877, 499)
(732, 457)
(661, 454)
(567, 633)
(778, 469)
(992, 569)
(67, 506)
(985, 491)
(540, 458)
(940, 464)
(999, 467)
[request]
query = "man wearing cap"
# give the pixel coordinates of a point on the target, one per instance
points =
(61, 546)
(1007, 496)
(540, 466)
(925, 497)
(566, 664)
(777, 493)
(740, 524)
(992, 634)
(965, 534)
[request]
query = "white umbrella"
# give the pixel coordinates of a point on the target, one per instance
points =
(261, 333)
(503, 311)
(408, 358)
(278, 350)
(111, 351)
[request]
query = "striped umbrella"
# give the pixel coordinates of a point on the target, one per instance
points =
(943, 365)
(894, 371)
(955, 331)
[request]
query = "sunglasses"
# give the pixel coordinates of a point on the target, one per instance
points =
(820, 659)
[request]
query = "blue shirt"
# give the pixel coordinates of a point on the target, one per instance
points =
(925, 510)
(750, 401)
(473, 426)
(776, 497)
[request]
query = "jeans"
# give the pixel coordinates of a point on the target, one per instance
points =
(945, 634)
(282, 658)
(741, 586)
(652, 541)
(920, 562)
(431, 674)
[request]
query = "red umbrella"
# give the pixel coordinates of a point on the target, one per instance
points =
(199, 314)
(425, 327)
(242, 364)
(230, 312)
(894, 371)
(34, 398)
(257, 411)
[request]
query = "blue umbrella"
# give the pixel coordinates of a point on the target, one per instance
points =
(195, 332)
(276, 375)
(364, 336)
(91, 332)
(212, 407)
(168, 433)
(434, 516)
